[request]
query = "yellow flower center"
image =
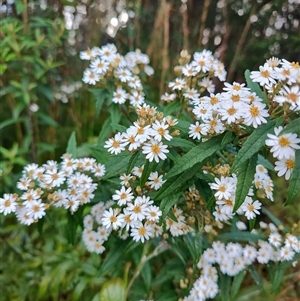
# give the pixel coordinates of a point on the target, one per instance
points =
(283, 141)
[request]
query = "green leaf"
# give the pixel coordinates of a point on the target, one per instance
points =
(255, 276)
(19, 7)
(147, 275)
(253, 144)
(292, 127)
(254, 87)
(196, 154)
(172, 107)
(167, 203)
(132, 162)
(115, 114)
(229, 137)
(71, 228)
(118, 127)
(148, 168)
(113, 290)
(172, 185)
(264, 162)
(117, 164)
(100, 95)
(294, 182)
(236, 284)
(252, 223)
(72, 145)
(224, 285)
(245, 178)
(105, 130)
(182, 143)
(273, 218)
(240, 236)
(278, 276)
(11, 121)
(45, 119)
(194, 244)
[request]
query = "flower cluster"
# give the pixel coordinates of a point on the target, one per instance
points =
(283, 148)
(66, 185)
(232, 258)
(132, 213)
(225, 188)
(146, 134)
(280, 78)
(108, 65)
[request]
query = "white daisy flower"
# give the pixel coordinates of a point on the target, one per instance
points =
(123, 195)
(251, 208)
(155, 150)
(99, 66)
(178, 84)
(115, 145)
(197, 130)
(112, 218)
(36, 209)
(285, 167)
(119, 96)
(155, 181)
(141, 232)
(283, 146)
(264, 76)
(254, 114)
(153, 213)
(159, 130)
(224, 187)
(90, 77)
(8, 203)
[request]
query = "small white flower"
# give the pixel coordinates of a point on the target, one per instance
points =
(285, 167)
(155, 150)
(112, 218)
(251, 208)
(155, 181)
(8, 203)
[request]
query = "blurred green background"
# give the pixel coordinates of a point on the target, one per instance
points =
(43, 101)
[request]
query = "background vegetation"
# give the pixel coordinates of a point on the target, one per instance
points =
(43, 101)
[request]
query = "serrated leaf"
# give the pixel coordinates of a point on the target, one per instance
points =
(253, 144)
(113, 290)
(196, 154)
(172, 185)
(182, 143)
(167, 203)
(245, 178)
(72, 145)
(292, 127)
(117, 165)
(254, 87)
(294, 181)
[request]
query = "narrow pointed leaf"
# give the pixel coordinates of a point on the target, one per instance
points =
(167, 203)
(72, 145)
(254, 87)
(245, 178)
(172, 185)
(105, 130)
(197, 154)
(253, 144)
(117, 165)
(236, 284)
(292, 127)
(182, 143)
(294, 182)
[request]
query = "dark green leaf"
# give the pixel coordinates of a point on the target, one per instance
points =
(252, 223)
(278, 276)
(148, 168)
(292, 127)
(272, 217)
(118, 127)
(172, 107)
(253, 144)
(245, 176)
(115, 114)
(172, 185)
(45, 119)
(294, 182)
(229, 137)
(264, 162)
(72, 145)
(255, 276)
(182, 143)
(100, 95)
(71, 228)
(196, 154)
(117, 164)
(132, 162)
(224, 285)
(167, 203)
(147, 275)
(254, 87)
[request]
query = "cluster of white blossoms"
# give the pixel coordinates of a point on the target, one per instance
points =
(131, 213)
(225, 188)
(232, 258)
(281, 79)
(283, 148)
(108, 65)
(146, 134)
(68, 184)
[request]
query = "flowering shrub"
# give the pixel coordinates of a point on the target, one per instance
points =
(193, 169)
